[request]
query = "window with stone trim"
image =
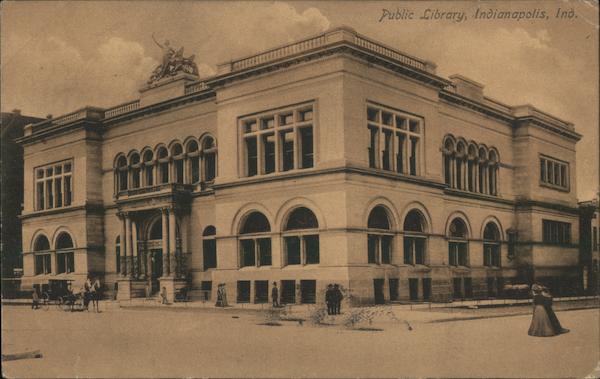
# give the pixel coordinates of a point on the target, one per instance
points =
(254, 241)
(43, 257)
(53, 185)
(556, 232)
(379, 236)
(209, 247)
(65, 256)
(554, 173)
(118, 254)
(394, 140)
(415, 239)
(469, 166)
(301, 238)
(491, 245)
(458, 246)
(278, 141)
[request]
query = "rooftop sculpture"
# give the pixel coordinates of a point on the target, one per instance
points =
(173, 62)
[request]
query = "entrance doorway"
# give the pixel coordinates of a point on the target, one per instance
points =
(378, 287)
(155, 257)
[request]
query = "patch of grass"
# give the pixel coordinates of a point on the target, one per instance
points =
(271, 323)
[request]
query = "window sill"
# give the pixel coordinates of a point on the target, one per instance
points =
(555, 187)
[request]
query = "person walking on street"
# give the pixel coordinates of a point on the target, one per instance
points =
(329, 299)
(35, 299)
(338, 296)
(275, 295)
(544, 322)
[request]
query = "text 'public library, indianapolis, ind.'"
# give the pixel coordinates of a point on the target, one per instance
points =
(335, 159)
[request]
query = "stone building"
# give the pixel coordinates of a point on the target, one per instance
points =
(334, 159)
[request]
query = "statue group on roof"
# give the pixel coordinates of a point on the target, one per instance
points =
(173, 62)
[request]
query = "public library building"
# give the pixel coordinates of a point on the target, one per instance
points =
(334, 159)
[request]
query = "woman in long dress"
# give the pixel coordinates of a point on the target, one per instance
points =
(544, 322)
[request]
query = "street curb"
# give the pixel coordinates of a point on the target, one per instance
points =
(467, 318)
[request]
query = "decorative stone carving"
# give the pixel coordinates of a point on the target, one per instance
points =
(173, 63)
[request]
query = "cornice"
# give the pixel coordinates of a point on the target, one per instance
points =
(336, 48)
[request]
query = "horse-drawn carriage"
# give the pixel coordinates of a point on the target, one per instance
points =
(59, 292)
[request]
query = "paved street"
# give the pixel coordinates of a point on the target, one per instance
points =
(216, 343)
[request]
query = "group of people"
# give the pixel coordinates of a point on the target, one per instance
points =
(333, 298)
(221, 296)
(544, 322)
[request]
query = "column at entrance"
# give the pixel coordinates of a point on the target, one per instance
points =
(128, 247)
(135, 256)
(173, 269)
(123, 247)
(165, 241)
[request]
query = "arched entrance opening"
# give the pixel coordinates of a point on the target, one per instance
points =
(154, 254)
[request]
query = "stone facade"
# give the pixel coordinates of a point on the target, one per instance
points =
(334, 159)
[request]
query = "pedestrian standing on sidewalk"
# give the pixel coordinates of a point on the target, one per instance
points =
(35, 299)
(95, 294)
(337, 296)
(224, 295)
(329, 299)
(87, 288)
(163, 295)
(275, 295)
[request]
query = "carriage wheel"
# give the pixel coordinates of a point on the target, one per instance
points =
(63, 304)
(45, 301)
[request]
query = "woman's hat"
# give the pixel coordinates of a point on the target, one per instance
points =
(537, 288)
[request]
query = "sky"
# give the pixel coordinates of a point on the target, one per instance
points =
(57, 57)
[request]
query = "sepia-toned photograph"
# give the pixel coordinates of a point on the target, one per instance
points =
(300, 189)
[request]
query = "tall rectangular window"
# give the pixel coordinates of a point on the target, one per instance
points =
(306, 149)
(247, 254)
(595, 238)
(287, 141)
(264, 251)
(251, 156)
(53, 185)
(279, 141)
(268, 141)
(399, 134)
(293, 250)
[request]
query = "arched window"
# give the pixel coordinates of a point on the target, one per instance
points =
(483, 170)
(414, 238)
(209, 154)
(162, 155)
(255, 243)
(118, 254)
(457, 243)
(493, 173)
(136, 169)
(460, 161)
(43, 258)
(209, 247)
(193, 161)
(379, 237)
(148, 168)
(448, 152)
(121, 173)
(65, 257)
(301, 238)
(156, 230)
(178, 163)
(491, 245)
(471, 168)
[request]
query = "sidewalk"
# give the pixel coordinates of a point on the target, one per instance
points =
(412, 313)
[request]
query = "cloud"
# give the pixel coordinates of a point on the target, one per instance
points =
(47, 70)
